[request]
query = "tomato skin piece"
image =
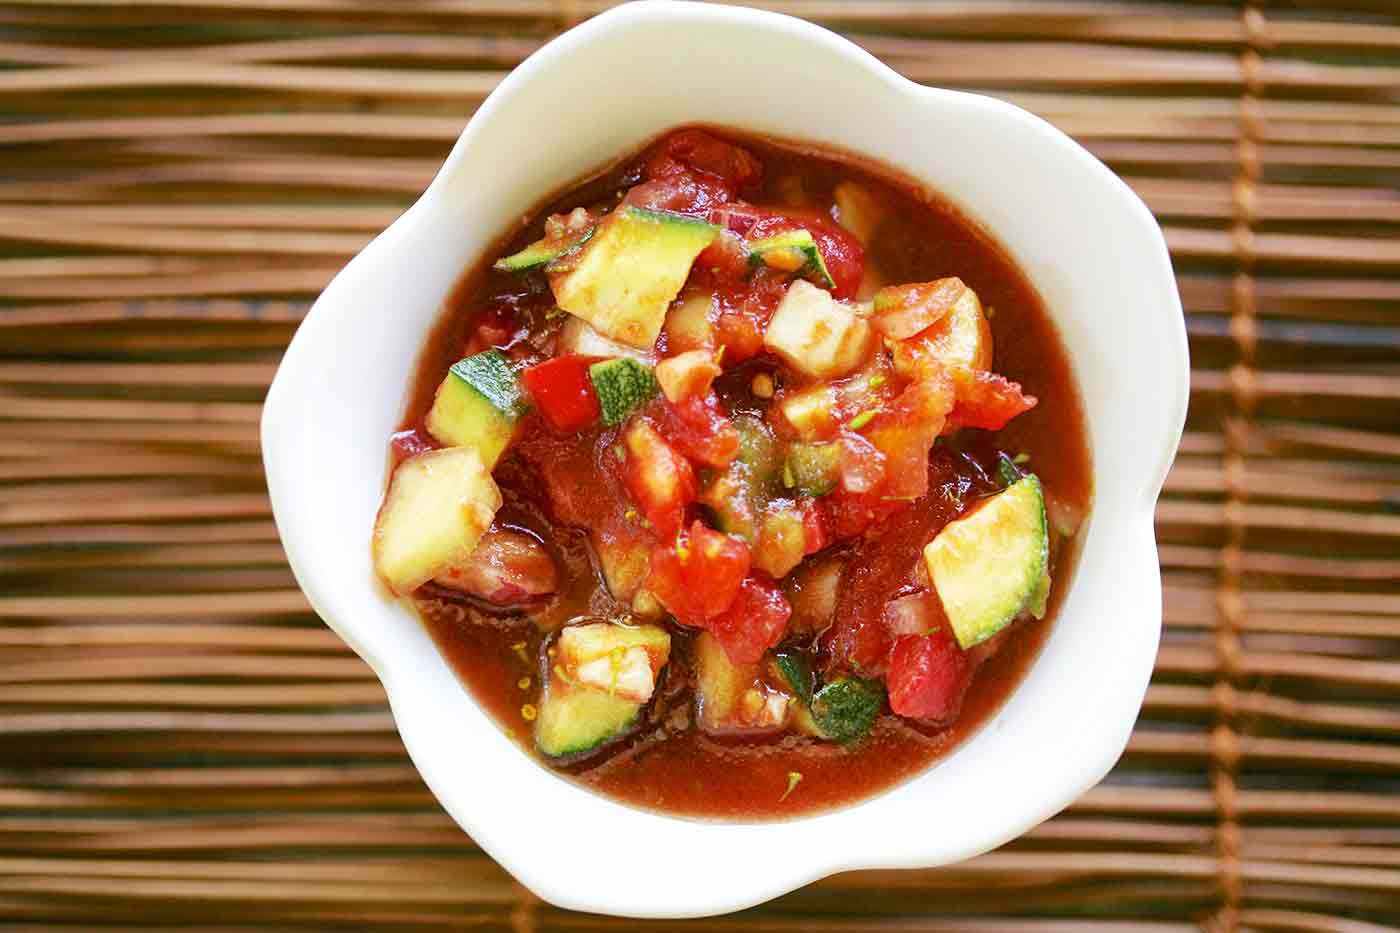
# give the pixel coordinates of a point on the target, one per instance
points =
(754, 622)
(409, 443)
(563, 393)
(901, 311)
(697, 575)
(699, 428)
(988, 401)
(929, 676)
(657, 478)
(494, 327)
(693, 150)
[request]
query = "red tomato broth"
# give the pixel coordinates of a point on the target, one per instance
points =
(686, 771)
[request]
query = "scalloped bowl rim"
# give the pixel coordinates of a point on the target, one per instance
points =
(318, 433)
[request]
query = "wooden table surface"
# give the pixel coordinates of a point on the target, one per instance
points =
(182, 743)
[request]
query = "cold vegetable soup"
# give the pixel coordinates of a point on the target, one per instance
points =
(743, 480)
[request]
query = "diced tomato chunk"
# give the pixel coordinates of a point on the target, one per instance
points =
(988, 401)
(814, 532)
(753, 623)
(699, 428)
(848, 514)
(697, 575)
(724, 260)
(685, 193)
(906, 430)
(929, 676)
(694, 150)
(563, 393)
(657, 477)
(901, 311)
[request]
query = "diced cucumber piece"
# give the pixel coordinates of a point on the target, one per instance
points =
(625, 564)
(478, 405)
(573, 720)
(739, 493)
(623, 385)
(1008, 473)
(620, 660)
(794, 251)
(625, 278)
(718, 683)
(732, 698)
(1040, 599)
(535, 256)
(758, 453)
(812, 469)
(438, 506)
(988, 564)
(782, 541)
(845, 709)
(582, 643)
(818, 335)
(809, 411)
(793, 670)
(573, 233)
(730, 499)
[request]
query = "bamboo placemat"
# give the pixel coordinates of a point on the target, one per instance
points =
(183, 743)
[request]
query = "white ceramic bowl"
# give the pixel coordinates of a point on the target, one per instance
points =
(1086, 242)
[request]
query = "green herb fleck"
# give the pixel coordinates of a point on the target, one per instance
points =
(1021, 458)
(862, 419)
(877, 380)
(794, 778)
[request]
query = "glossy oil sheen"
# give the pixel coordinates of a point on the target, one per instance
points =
(697, 775)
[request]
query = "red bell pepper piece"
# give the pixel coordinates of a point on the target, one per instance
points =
(563, 393)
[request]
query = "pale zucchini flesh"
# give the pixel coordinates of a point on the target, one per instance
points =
(573, 721)
(627, 275)
(477, 406)
(817, 335)
(438, 506)
(988, 565)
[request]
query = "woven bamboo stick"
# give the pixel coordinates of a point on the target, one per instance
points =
(207, 604)
(196, 533)
(102, 288)
(241, 696)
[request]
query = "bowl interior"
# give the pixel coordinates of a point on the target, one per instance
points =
(1088, 245)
